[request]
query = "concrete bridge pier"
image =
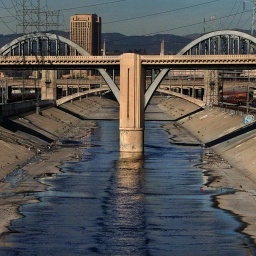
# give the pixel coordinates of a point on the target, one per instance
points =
(48, 85)
(211, 85)
(132, 91)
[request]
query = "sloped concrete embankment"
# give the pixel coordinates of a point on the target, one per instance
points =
(232, 160)
(226, 134)
(26, 135)
(28, 152)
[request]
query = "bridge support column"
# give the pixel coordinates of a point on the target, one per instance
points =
(211, 85)
(193, 92)
(48, 85)
(132, 91)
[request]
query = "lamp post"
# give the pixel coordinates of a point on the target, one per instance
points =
(248, 92)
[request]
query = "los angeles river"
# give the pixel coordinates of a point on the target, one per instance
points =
(107, 203)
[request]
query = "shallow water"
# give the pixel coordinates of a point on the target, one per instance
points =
(119, 204)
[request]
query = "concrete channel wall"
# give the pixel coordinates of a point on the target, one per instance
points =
(16, 108)
(227, 134)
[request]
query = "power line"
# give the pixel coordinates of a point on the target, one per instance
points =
(246, 21)
(35, 15)
(87, 6)
(30, 13)
(253, 14)
(190, 25)
(5, 23)
(72, 8)
(179, 27)
(4, 6)
(91, 5)
(7, 9)
(253, 17)
(239, 20)
(230, 12)
(3, 20)
(235, 15)
(154, 14)
(164, 12)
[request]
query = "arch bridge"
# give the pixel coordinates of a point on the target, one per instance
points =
(223, 42)
(47, 44)
(132, 95)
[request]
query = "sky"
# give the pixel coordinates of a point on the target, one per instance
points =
(135, 17)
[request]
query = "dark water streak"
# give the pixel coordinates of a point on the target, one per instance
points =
(121, 204)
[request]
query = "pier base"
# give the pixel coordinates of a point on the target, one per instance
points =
(131, 140)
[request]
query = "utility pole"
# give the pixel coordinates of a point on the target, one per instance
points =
(212, 24)
(33, 17)
(253, 14)
(253, 17)
(248, 92)
(162, 47)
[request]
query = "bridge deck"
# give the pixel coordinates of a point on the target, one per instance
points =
(170, 61)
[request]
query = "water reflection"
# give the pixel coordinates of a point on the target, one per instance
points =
(128, 214)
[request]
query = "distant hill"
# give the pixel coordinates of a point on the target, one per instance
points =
(117, 43)
(4, 39)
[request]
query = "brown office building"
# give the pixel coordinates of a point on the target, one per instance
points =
(85, 30)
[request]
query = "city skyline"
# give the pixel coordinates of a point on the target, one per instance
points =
(134, 17)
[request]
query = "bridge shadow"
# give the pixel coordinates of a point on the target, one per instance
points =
(232, 135)
(15, 127)
(107, 108)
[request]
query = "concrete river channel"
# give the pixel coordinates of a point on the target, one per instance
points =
(107, 203)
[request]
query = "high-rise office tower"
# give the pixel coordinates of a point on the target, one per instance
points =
(85, 30)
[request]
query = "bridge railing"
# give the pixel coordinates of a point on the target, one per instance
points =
(161, 58)
(80, 57)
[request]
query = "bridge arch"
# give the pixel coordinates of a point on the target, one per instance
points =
(217, 42)
(41, 44)
(221, 42)
(44, 44)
